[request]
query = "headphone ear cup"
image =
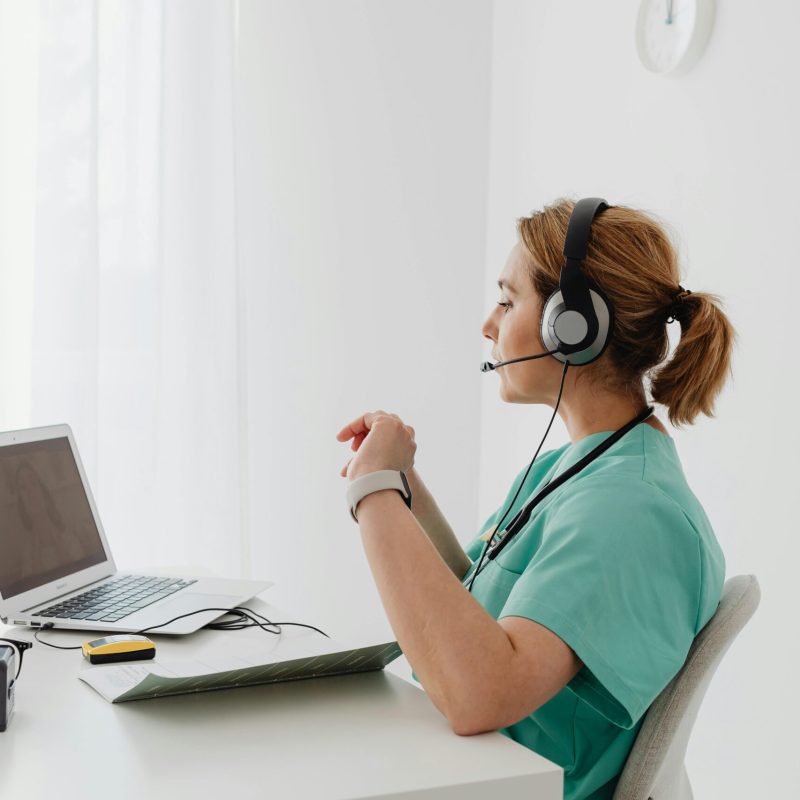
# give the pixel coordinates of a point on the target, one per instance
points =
(574, 322)
(546, 330)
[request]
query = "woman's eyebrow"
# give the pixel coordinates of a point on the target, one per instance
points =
(507, 286)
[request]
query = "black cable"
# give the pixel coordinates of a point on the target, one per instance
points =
(240, 613)
(522, 482)
(45, 627)
(521, 520)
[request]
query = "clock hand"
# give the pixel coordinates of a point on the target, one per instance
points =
(669, 12)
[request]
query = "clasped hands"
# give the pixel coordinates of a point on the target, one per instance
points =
(381, 441)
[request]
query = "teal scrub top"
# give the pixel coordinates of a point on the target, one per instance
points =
(620, 562)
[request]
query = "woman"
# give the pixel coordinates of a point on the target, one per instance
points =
(564, 639)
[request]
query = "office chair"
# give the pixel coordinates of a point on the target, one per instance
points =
(654, 769)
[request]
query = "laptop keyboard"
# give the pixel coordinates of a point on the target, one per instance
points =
(115, 599)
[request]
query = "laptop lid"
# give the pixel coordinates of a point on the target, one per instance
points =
(51, 538)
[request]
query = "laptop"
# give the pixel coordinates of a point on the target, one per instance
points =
(55, 563)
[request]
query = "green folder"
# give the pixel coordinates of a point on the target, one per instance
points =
(143, 680)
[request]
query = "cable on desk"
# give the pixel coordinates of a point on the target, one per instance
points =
(240, 614)
(45, 627)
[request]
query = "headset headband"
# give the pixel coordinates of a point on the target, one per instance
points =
(573, 282)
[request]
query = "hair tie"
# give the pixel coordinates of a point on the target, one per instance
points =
(675, 311)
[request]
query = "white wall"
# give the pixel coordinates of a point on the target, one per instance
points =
(19, 68)
(362, 144)
(715, 153)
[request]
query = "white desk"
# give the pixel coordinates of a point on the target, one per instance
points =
(368, 735)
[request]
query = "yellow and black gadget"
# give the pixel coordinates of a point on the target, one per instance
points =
(125, 647)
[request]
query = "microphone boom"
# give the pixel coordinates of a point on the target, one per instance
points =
(487, 366)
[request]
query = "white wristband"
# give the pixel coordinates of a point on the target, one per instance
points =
(358, 489)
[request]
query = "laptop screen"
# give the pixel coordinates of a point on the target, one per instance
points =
(47, 530)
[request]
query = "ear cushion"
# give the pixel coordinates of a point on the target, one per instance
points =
(561, 327)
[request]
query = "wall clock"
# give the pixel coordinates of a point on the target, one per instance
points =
(671, 35)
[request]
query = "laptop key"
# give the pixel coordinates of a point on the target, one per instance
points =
(142, 603)
(122, 593)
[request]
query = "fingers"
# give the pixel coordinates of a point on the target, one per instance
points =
(361, 424)
(360, 427)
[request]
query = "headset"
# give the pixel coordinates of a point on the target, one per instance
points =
(576, 326)
(578, 319)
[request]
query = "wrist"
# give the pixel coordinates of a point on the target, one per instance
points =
(375, 481)
(368, 469)
(356, 474)
(374, 500)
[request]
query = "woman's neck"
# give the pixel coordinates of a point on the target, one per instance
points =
(605, 412)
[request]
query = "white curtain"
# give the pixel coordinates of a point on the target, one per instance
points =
(136, 329)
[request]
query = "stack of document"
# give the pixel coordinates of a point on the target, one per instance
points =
(297, 660)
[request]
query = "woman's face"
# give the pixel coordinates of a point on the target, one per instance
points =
(514, 329)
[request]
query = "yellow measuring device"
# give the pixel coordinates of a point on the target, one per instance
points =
(125, 647)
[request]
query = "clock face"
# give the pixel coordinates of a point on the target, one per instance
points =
(664, 33)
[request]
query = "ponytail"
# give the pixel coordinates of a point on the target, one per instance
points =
(630, 256)
(688, 384)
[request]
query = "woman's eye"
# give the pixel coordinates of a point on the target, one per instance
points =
(506, 306)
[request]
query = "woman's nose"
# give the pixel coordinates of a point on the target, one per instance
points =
(489, 330)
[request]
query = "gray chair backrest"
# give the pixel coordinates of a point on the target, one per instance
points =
(654, 769)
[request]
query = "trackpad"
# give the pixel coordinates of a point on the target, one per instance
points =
(193, 602)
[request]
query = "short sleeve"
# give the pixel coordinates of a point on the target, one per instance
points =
(616, 577)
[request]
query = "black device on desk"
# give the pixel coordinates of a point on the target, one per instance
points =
(8, 672)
